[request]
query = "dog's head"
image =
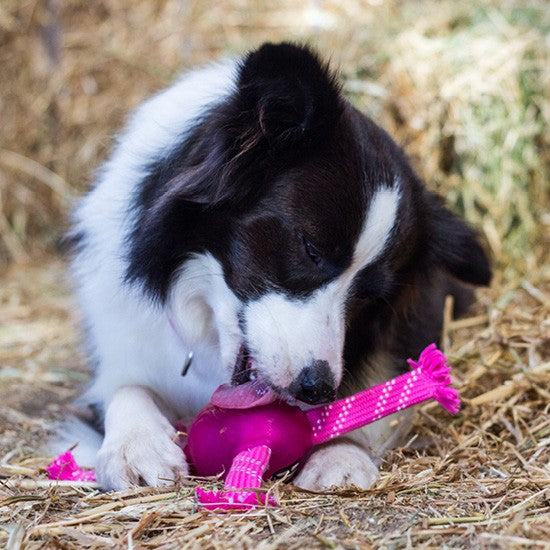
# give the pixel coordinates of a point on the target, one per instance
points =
(283, 209)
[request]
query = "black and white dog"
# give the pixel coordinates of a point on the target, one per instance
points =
(250, 214)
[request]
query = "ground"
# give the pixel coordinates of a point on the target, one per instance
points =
(463, 86)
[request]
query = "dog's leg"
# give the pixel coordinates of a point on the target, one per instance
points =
(139, 447)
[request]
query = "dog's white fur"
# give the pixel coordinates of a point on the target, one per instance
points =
(139, 347)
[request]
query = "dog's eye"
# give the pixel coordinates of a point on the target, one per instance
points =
(312, 252)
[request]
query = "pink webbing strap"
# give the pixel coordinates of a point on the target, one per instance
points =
(248, 467)
(428, 379)
(246, 472)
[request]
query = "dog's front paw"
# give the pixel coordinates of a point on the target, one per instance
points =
(141, 457)
(338, 464)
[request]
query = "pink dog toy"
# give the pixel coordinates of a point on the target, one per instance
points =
(248, 432)
(252, 435)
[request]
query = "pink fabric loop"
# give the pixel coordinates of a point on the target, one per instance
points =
(65, 468)
(429, 379)
(245, 473)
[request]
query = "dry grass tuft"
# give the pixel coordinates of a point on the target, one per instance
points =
(464, 86)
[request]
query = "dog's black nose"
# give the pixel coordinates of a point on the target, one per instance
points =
(315, 384)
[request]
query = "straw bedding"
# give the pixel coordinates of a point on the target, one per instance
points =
(464, 87)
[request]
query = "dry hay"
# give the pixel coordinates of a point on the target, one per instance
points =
(463, 86)
(479, 479)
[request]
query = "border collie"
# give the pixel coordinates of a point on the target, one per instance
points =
(251, 215)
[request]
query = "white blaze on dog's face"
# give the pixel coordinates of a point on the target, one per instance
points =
(288, 335)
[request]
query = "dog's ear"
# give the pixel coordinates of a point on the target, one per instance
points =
(287, 95)
(455, 245)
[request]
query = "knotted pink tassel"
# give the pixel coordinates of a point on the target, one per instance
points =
(433, 364)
